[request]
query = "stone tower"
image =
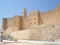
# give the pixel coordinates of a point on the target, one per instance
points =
(4, 26)
(24, 12)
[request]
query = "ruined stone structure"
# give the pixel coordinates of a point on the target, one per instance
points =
(45, 32)
(34, 18)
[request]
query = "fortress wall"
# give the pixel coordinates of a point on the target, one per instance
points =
(51, 17)
(4, 24)
(22, 35)
(10, 22)
(25, 22)
(14, 23)
(45, 32)
(35, 18)
(28, 22)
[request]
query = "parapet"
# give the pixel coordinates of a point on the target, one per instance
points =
(57, 8)
(34, 12)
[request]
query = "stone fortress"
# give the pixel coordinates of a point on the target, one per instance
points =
(30, 25)
(32, 19)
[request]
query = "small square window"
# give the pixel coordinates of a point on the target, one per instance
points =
(30, 23)
(34, 22)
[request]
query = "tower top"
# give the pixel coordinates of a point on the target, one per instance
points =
(24, 12)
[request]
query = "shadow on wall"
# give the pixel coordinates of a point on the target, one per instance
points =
(40, 20)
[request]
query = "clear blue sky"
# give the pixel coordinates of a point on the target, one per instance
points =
(9, 8)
